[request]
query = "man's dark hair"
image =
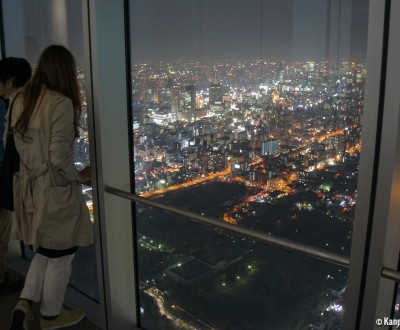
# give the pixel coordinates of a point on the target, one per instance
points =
(15, 68)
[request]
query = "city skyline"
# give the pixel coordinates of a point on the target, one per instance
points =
(269, 146)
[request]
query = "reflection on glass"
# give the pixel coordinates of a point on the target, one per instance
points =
(40, 24)
(249, 112)
(192, 276)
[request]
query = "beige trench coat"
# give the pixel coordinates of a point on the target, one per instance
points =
(49, 140)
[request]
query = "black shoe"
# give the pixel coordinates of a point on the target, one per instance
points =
(10, 286)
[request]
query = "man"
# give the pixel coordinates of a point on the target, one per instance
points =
(14, 73)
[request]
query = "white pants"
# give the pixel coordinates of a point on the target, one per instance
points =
(46, 281)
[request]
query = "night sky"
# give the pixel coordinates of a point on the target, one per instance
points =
(206, 30)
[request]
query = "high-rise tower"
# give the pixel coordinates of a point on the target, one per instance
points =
(191, 96)
(216, 93)
(175, 99)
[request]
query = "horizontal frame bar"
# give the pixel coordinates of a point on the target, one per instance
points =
(268, 239)
(391, 274)
(387, 273)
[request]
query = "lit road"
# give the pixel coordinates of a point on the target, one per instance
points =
(186, 184)
(157, 295)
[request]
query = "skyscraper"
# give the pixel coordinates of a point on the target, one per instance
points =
(190, 95)
(216, 93)
(175, 99)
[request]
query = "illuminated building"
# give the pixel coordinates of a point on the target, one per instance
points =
(190, 98)
(175, 99)
(216, 94)
(270, 147)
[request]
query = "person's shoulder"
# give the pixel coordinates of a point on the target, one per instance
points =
(55, 100)
(54, 96)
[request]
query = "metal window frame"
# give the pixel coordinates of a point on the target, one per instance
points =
(369, 161)
(94, 156)
(385, 242)
(110, 95)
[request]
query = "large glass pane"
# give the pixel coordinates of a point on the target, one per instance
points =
(40, 24)
(250, 112)
(195, 277)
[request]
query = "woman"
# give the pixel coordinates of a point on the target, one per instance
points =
(51, 214)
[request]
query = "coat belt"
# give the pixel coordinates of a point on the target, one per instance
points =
(28, 178)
